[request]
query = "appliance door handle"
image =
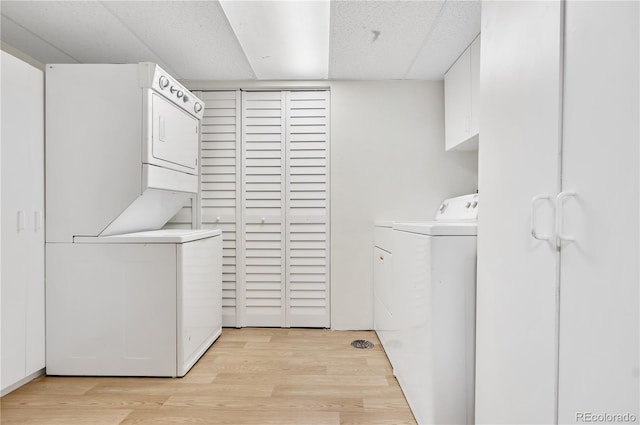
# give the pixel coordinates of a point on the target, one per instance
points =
(560, 236)
(161, 129)
(534, 201)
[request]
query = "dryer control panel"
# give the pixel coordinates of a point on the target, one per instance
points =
(460, 208)
(152, 76)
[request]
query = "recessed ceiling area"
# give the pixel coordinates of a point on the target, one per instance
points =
(250, 40)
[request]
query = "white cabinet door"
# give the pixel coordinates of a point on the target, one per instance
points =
(33, 174)
(382, 291)
(599, 287)
(516, 283)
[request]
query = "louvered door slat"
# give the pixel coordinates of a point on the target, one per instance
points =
(263, 212)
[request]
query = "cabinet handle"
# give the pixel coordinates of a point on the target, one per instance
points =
(20, 221)
(217, 219)
(37, 216)
(560, 236)
(262, 220)
(534, 202)
(382, 258)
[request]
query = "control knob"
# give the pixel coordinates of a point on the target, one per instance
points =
(179, 94)
(185, 98)
(164, 82)
(197, 107)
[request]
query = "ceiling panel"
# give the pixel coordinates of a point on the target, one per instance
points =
(378, 39)
(83, 30)
(455, 28)
(193, 40)
(193, 37)
(26, 41)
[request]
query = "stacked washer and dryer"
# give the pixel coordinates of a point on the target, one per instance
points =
(123, 296)
(424, 295)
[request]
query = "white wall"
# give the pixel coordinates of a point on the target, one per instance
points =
(387, 162)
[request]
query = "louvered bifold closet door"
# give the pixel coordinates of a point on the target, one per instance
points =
(307, 202)
(220, 185)
(263, 205)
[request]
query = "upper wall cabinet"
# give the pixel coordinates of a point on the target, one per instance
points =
(461, 94)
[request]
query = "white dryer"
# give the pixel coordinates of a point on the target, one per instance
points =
(434, 270)
(125, 297)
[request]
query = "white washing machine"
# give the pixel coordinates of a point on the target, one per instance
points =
(125, 297)
(138, 304)
(434, 269)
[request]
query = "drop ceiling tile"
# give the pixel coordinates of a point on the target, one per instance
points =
(25, 41)
(378, 39)
(193, 37)
(83, 30)
(455, 28)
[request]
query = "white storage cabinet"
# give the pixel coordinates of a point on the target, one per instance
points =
(23, 327)
(558, 296)
(461, 100)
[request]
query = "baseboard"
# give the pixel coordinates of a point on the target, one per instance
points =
(21, 382)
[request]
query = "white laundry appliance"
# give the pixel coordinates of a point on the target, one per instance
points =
(428, 325)
(123, 296)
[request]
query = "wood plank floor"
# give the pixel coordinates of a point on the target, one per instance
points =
(249, 376)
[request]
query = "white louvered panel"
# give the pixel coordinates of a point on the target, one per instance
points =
(307, 236)
(220, 186)
(263, 242)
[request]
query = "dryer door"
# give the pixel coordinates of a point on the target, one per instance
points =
(174, 136)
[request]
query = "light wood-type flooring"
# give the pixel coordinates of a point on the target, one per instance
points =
(249, 376)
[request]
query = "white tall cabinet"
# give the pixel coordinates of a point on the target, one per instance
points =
(557, 291)
(22, 231)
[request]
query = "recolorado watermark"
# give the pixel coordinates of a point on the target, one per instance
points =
(603, 417)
